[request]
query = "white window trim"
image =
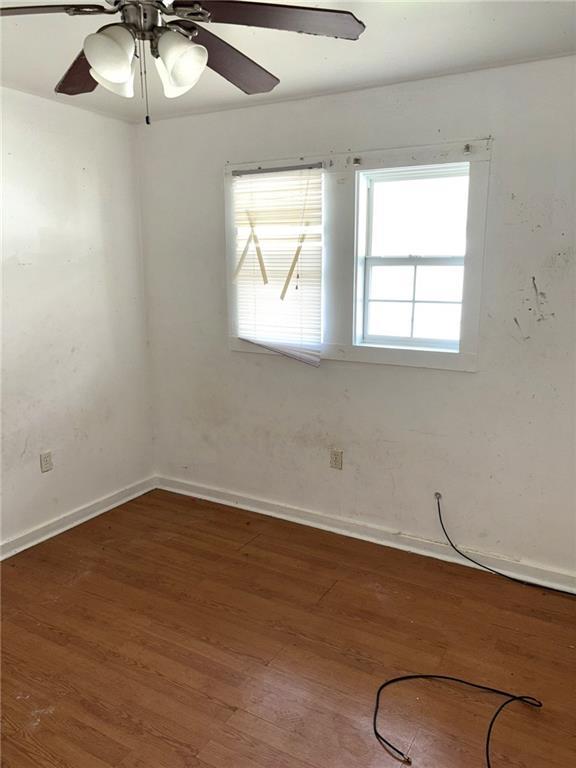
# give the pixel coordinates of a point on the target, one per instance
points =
(341, 284)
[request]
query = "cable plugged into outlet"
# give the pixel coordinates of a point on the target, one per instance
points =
(46, 463)
(438, 497)
(336, 459)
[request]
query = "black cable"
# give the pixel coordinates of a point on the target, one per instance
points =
(402, 756)
(438, 497)
(530, 700)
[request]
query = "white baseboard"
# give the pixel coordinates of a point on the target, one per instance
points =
(45, 531)
(527, 571)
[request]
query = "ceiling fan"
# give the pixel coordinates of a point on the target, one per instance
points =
(182, 48)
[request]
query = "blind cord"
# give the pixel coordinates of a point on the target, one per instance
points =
(402, 756)
(438, 497)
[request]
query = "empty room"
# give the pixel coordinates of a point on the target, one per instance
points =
(288, 384)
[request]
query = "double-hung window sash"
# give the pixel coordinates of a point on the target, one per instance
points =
(276, 274)
(414, 245)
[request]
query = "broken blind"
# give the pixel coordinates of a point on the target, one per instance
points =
(277, 270)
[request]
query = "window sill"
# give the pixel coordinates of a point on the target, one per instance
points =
(414, 358)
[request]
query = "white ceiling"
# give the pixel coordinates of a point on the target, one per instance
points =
(403, 41)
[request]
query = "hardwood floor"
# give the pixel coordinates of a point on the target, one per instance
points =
(174, 633)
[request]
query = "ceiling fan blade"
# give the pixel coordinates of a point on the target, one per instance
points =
(230, 62)
(77, 78)
(71, 10)
(312, 21)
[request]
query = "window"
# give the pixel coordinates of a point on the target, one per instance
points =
(411, 250)
(277, 257)
(370, 257)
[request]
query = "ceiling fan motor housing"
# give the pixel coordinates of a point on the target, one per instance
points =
(143, 18)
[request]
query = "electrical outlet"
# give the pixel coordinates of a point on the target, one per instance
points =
(336, 458)
(46, 464)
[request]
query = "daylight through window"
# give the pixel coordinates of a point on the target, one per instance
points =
(411, 244)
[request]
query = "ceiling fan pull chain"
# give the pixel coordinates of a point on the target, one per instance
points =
(139, 54)
(143, 70)
(147, 118)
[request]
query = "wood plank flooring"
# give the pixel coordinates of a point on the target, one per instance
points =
(176, 633)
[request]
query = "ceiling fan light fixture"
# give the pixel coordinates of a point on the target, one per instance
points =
(110, 53)
(171, 91)
(183, 60)
(125, 89)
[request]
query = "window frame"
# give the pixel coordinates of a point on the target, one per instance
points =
(344, 283)
(366, 179)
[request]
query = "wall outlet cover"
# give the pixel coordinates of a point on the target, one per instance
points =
(46, 464)
(336, 459)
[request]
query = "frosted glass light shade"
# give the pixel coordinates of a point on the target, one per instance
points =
(110, 53)
(184, 61)
(171, 91)
(125, 89)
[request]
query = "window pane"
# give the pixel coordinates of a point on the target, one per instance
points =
(437, 321)
(389, 318)
(392, 283)
(439, 283)
(420, 217)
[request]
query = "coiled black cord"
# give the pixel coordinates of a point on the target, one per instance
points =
(402, 756)
(438, 497)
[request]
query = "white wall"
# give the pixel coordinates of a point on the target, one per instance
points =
(75, 371)
(499, 443)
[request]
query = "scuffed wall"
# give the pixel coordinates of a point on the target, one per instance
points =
(75, 370)
(499, 443)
